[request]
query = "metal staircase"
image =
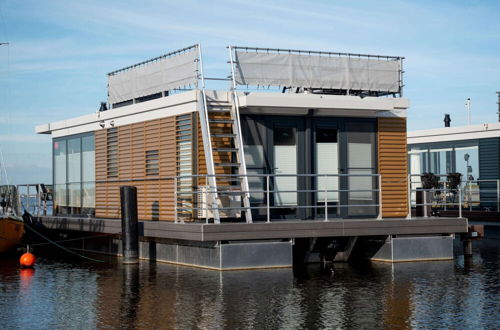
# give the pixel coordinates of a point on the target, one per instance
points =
(224, 155)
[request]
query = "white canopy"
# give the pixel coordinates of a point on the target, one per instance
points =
(317, 71)
(153, 77)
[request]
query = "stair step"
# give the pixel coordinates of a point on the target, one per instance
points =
(221, 121)
(224, 135)
(227, 164)
(219, 110)
(223, 103)
(225, 149)
(228, 178)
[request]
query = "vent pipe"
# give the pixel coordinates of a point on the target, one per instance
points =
(103, 107)
(447, 120)
(467, 105)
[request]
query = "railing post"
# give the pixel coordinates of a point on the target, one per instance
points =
(424, 204)
(470, 197)
(326, 200)
(379, 196)
(39, 199)
(28, 198)
(459, 202)
(408, 216)
(175, 200)
(19, 207)
(207, 196)
(445, 195)
(268, 201)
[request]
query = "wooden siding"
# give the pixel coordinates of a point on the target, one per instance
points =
(154, 195)
(393, 166)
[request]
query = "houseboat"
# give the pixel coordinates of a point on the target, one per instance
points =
(472, 152)
(303, 149)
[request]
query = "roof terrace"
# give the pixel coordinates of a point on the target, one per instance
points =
(268, 69)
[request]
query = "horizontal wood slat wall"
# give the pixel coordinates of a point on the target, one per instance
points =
(155, 198)
(393, 166)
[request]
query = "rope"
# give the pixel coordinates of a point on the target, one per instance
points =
(75, 239)
(60, 246)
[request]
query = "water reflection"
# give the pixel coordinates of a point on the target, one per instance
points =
(148, 295)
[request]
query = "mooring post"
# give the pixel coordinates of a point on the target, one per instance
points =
(130, 225)
(468, 247)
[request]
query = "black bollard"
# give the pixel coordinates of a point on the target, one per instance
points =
(130, 225)
(468, 247)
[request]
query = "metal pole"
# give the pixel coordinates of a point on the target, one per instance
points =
(409, 197)
(268, 201)
(175, 200)
(28, 198)
(207, 144)
(380, 196)
(326, 201)
(467, 104)
(238, 140)
(425, 203)
(445, 195)
(207, 196)
(459, 202)
(470, 197)
(39, 199)
(201, 66)
(19, 206)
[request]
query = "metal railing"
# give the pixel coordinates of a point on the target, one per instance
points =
(35, 198)
(229, 203)
(320, 197)
(470, 195)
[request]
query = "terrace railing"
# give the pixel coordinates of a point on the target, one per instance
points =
(268, 198)
(328, 196)
(470, 195)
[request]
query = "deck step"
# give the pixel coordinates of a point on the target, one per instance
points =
(224, 135)
(221, 121)
(227, 164)
(225, 149)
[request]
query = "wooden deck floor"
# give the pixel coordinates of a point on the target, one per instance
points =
(263, 230)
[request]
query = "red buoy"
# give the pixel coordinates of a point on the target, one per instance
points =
(27, 260)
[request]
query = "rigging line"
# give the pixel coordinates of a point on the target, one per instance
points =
(75, 239)
(60, 246)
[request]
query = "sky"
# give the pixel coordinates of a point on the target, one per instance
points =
(60, 52)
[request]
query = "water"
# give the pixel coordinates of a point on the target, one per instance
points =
(60, 294)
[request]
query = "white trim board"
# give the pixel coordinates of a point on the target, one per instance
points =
(254, 102)
(447, 134)
(159, 108)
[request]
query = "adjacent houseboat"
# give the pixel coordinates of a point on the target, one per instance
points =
(303, 145)
(471, 151)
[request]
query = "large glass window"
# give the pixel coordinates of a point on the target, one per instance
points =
(74, 175)
(88, 173)
(440, 160)
(461, 157)
(60, 191)
(361, 165)
(327, 160)
(285, 164)
(467, 160)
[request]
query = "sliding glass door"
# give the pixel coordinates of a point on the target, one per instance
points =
(321, 148)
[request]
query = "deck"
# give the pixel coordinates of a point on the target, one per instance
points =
(203, 232)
